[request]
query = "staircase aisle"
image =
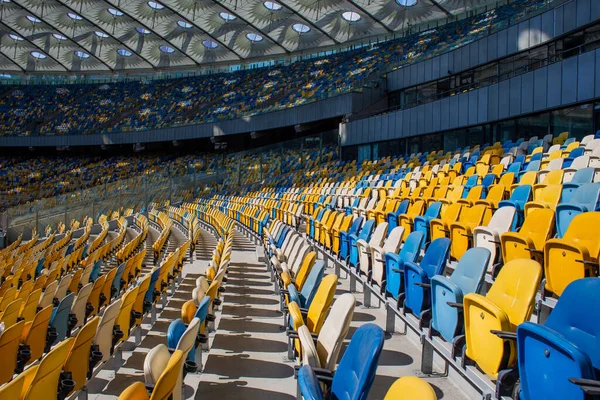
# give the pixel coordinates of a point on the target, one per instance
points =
(246, 354)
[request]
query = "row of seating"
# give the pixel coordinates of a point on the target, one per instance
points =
(89, 313)
(464, 284)
(166, 365)
(317, 325)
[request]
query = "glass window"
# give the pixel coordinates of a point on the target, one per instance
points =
(506, 130)
(533, 126)
(364, 153)
(578, 121)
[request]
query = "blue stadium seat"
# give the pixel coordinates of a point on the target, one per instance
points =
(520, 195)
(447, 292)
(394, 264)
(565, 347)
(392, 217)
(61, 319)
(417, 293)
(422, 222)
(345, 237)
(307, 293)
(585, 198)
(365, 234)
(355, 373)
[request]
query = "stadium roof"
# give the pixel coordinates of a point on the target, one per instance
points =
(62, 36)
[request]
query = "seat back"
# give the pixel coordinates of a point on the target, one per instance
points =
(124, 319)
(312, 283)
(412, 246)
(9, 348)
(367, 230)
(60, 316)
(104, 333)
(567, 347)
(42, 380)
(321, 303)
(35, 336)
(410, 388)
(78, 360)
(436, 256)
(355, 373)
(167, 382)
(307, 265)
(514, 289)
(470, 270)
(378, 236)
(538, 226)
(334, 330)
(585, 198)
(80, 303)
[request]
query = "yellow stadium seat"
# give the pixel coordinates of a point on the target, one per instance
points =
(461, 232)
(42, 380)
(410, 388)
(575, 255)
(440, 227)
(165, 385)
(508, 303)
(81, 357)
(9, 348)
(529, 241)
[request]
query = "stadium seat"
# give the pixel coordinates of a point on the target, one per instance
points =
(355, 373)
(563, 348)
(62, 321)
(489, 236)
(509, 302)
(304, 297)
(364, 248)
(345, 238)
(107, 334)
(529, 241)
(392, 245)
(394, 264)
(323, 350)
(9, 348)
(410, 388)
(447, 293)
(364, 235)
(180, 337)
(573, 256)
(82, 356)
(166, 384)
(315, 315)
(43, 380)
(36, 336)
(585, 198)
(417, 295)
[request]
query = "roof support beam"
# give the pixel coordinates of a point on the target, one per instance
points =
(229, 10)
(62, 33)
(36, 46)
(314, 25)
(12, 61)
(100, 28)
(438, 5)
(142, 25)
(168, 7)
(368, 14)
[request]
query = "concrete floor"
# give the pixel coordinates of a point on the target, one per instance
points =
(247, 352)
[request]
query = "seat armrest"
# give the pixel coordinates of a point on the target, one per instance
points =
(505, 334)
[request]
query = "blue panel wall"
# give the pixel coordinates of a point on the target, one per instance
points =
(571, 81)
(528, 33)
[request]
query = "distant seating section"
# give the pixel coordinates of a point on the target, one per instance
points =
(489, 254)
(134, 106)
(25, 180)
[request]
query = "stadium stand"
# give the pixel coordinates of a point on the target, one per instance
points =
(132, 106)
(298, 270)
